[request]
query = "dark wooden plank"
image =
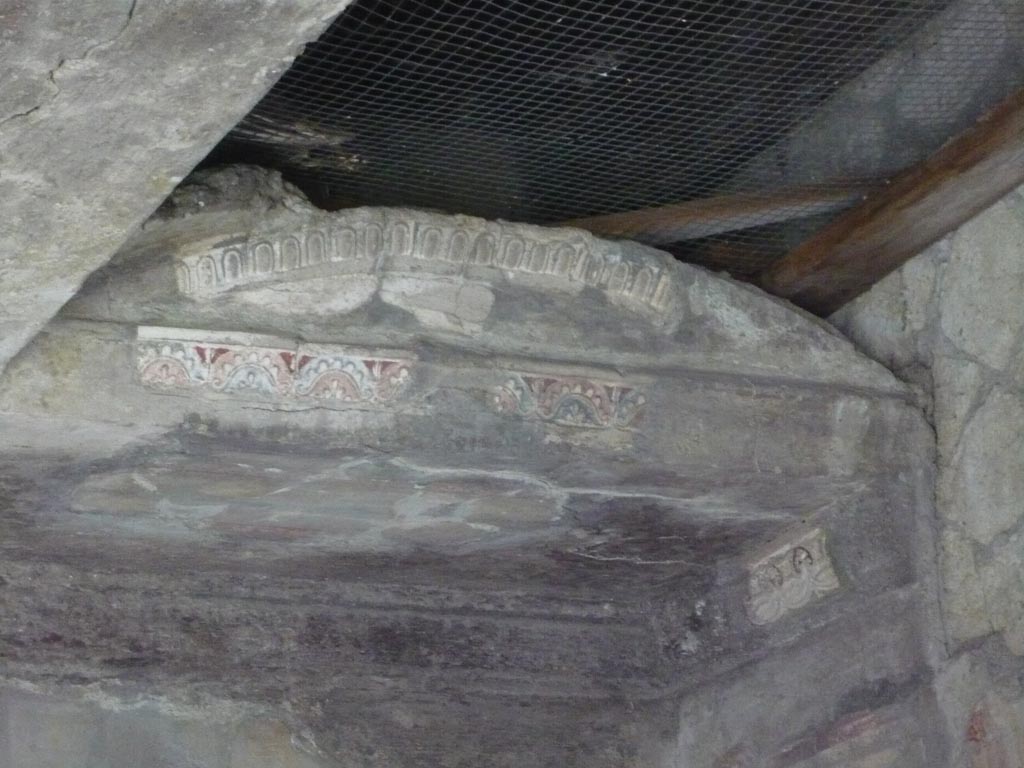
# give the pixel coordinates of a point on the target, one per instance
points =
(918, 207)
(715, 215)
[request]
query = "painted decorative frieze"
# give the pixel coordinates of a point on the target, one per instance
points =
(570, 400)
(243, 367)
(390, 241)
(789, 577)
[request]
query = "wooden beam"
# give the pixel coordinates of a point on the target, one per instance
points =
(715, 215)
(918, 207)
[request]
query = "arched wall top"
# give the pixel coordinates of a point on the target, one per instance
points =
(238, 249)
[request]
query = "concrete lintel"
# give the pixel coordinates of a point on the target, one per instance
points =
(104, 107)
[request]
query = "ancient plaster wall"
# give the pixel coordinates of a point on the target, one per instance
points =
(519, 503)
(952, 322)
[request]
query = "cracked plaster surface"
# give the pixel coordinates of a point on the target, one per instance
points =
(103, 109)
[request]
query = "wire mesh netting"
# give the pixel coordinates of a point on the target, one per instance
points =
(540, 110)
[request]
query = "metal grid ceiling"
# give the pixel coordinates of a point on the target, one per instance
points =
(539, 110)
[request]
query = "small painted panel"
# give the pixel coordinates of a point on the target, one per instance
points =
(791, 576)
(572, 401)
(329, 375)
(343, 378)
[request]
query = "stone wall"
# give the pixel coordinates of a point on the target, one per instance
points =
(951, 321)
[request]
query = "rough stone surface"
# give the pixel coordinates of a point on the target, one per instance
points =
(959, 335)
(982, 285)
(432, 490)
(966, 352)
(104, 107)
(986, 484)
